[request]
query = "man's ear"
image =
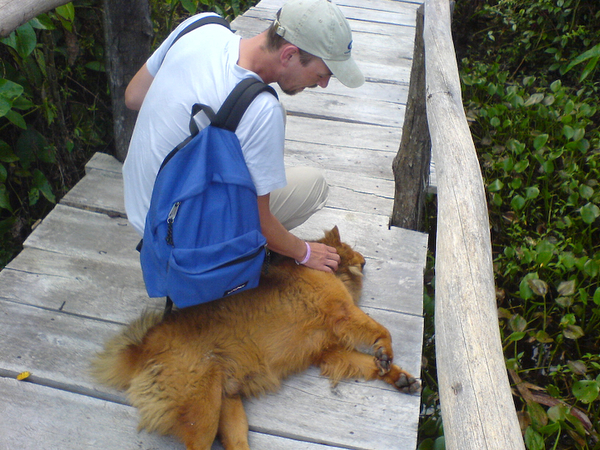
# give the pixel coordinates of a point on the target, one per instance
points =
(286, 53)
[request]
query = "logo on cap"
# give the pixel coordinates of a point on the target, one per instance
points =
(349, 48)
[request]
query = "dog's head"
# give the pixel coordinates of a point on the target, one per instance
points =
(350, 270)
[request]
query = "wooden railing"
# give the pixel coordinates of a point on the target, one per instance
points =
(477, 405)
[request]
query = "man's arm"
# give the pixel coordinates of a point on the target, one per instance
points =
(322, 257)
(137, 88)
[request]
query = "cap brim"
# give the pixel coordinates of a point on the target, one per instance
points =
(347, 72)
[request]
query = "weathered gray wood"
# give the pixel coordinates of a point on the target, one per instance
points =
(76, 285)
(369, 234)
(477, 405)
(314, 102)
(78, 278)
(412, 163)
(29, 414)
(96, 192)
(14, 13)
(341, 134)
(60, 355)
(70, 231)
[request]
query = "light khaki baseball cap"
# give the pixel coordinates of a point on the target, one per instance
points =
(319, 28)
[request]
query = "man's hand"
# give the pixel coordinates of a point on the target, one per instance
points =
(323, 257)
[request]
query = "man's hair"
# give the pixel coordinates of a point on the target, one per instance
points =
(275, 42)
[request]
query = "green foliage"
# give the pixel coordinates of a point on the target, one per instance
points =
(53, 113)
(55, 105)
(530, 88)
(167, 14)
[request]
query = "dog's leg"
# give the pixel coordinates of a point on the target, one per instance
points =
(198, 419)
(338, 363)
(355, 329)
(233, 424)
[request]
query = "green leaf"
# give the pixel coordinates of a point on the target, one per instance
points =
(586, 391)
(495, 186)
(34, 196)
(557, 413)
(538, 416)
(524, 289)
(589, 68)
(6, 153)
(517, 202)
(593, 54)
(573, 332)
(545, 252)
(589, 213)
(568, 132)
(566, 288)
(532, 192)
(540, 141)
(597, 296)
(534, 440)
(23, 40)
(4, 198)
(517, 323)
(591, 268)
(543, 337)
(9, 92)
(516, 336)
(16, 118)
(521, 166)
(538, 287)
(66, 11)
(586, 191)
(189, 6)
(41, 183)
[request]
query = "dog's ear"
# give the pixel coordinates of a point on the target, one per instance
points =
(332, 237)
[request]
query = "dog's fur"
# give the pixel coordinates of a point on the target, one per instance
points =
(188, 373)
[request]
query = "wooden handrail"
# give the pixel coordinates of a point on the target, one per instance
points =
(477, 405)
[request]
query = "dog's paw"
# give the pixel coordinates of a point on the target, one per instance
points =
(407, 384)
(383, 361)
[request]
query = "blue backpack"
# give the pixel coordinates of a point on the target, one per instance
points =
(202, 238)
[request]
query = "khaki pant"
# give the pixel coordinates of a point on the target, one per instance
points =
(305, 194)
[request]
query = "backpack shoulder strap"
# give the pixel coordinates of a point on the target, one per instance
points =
(198, 23)
(235, 105)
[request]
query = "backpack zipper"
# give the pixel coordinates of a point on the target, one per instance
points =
(170, 220)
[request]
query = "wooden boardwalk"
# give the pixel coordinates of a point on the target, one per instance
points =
(78, 280)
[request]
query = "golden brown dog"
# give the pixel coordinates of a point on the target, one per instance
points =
(187, 374)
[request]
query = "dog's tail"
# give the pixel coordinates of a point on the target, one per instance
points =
(120, 360)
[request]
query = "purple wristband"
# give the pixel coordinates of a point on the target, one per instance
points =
(307, 257)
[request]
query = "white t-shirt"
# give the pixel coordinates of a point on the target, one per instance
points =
(201, 67)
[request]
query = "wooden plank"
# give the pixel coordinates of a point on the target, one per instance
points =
(393, 12)
(67, 231)
(362, 162)
(29, 420)
(76, 285)
(370, 188)
(369, 234)
(342, 134)
(322, 104)
(115, 292)
(96, 192)
(475, 393)
(56, 346)
(70, 231)
(105, 163)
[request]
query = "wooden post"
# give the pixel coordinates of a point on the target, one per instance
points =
(477, 405)
(128, 37)
(411, 164)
